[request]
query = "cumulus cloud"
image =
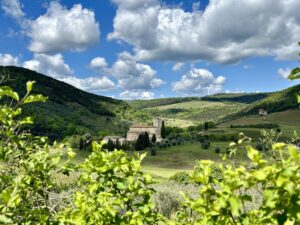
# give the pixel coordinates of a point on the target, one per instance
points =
(8, 60)
(137, 95)
(221, 33)
(236, 91)
(199, 82)
(132, 75)
(63, 29)
(98, 63)
(178, 66)
(91, 83)
(51, 65)
(284, 73)
(55, 66)
(12, 8)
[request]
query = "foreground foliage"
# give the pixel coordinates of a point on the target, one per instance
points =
(113, 190)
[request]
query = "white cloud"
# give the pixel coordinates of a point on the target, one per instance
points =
(178, 66)
(55, 66)
(246, 66)
(63, 29)
(221, 33)
(12, 8)
(98, 63)
(236, 91)
(137, 95)
(199, 82)
(132, 75)
(284, 73)
(51, 65)
(8, 60)
(96, 84)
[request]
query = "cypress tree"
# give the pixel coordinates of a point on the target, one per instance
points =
(163, 130)
(118, 144)
(153, 139)
(110, 145)
(139, 144)
(146, 140)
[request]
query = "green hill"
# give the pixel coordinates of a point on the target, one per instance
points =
(68, 110)
(274, 102)
(141, 104)
(184, 112)
(246, 98)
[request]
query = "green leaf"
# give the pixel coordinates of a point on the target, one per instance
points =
(7, 91)
(295, 74)
(5, 220)
(26, 120)
(253, 154)
(29, 86)
(35, 98)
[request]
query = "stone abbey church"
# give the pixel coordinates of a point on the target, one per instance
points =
(136, 129)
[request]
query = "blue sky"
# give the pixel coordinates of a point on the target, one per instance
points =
(139, 49)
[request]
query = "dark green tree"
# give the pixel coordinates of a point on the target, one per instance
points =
(118, 144)
(81, 144)
(146, 140)
(153, 139)
(110, 145)
(139, 144)
(163, 130)
(206, 126)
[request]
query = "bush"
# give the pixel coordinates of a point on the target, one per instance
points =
(174, 143)
(259, 147)
(217, 150)
(181, 177)
(153, 151)
(205, 144)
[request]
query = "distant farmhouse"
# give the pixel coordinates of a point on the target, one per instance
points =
(263, 112)
(137, 129)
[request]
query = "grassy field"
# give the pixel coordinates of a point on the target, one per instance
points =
(170, 122)
(195, 104)
(289, 121)
(182, 157)
(170, 160)
(193, 112)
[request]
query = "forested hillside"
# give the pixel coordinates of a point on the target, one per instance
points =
(68, 110)
(247, 98)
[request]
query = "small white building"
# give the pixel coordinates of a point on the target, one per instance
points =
(263, 112)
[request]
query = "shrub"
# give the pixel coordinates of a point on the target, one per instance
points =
(217, 150)
(223, 200)
(26, 164)
(85, 142)
(181, 177)
(205, 144)
(110, 197)
(259, 147)
(153, 151)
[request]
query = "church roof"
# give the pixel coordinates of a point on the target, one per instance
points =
(142, 126)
